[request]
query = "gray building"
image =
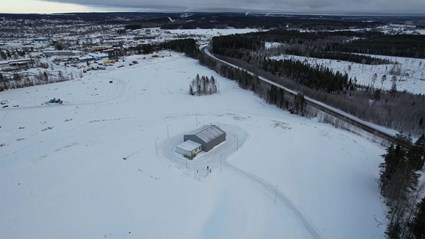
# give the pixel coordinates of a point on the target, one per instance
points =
(208, 136)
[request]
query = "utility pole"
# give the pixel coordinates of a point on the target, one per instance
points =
(237, 141)
(221, 162)
(275, 194)
(156, 147)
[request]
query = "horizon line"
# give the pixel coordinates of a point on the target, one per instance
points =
(246, 12)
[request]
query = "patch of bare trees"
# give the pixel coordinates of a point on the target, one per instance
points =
(20, 80)
(203, 86)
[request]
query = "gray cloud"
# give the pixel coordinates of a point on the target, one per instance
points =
(303, 6)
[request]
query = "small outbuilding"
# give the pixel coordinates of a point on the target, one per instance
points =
(208, 136)
(189, 149)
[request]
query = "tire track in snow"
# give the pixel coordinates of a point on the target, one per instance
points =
(281, 197)
(212, 159)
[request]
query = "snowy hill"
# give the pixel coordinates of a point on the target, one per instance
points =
(102, 164)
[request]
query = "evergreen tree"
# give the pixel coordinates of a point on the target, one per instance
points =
(61, 77)
(373, 79)
(393, 231)
(416, 154)
(399, 179)
(198, 86)
(392, 162)
(383, 79)
(16, 77)
(191, 90)
(417, 226)
(204, 85)
(3, 55)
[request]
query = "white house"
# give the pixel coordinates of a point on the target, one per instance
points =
(189, 149)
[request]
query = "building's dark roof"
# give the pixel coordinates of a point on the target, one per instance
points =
(207, 133)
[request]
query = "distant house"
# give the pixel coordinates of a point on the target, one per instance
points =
(16, 64)
(62, 53)
(93, 57)
(113, 53)
(42, 39)
(208, 136)
(189, 149)
(101, 48)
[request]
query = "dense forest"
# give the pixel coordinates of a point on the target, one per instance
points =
(314, 77)
(398, 110)
(187, 46)
(331, 45)
(390, 45)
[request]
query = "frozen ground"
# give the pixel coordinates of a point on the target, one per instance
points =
(102, 165)
(411, 76)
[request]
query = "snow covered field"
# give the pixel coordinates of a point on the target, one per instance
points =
(209, 33)
(202, 36)
(411, 77)
(102, 165)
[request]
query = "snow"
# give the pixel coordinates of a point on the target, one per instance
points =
(188, 146)
(202, 36)
(103, 164)
(212, 32)
(401, 29)
(269, 45)
(410, 79)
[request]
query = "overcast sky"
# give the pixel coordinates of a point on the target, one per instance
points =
(298, 6)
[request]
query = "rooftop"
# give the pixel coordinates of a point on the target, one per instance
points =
(188, 145)
(207, 133)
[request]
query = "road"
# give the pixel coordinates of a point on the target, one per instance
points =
(339, 114)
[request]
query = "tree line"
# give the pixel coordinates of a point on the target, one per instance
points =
(389, 45)
(187, 46)
(331, 45)
(272, 94)
(341, 56)
(400, 186)
(20, 80)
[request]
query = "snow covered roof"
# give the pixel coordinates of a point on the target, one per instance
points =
(188, 145)
(207, 133)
